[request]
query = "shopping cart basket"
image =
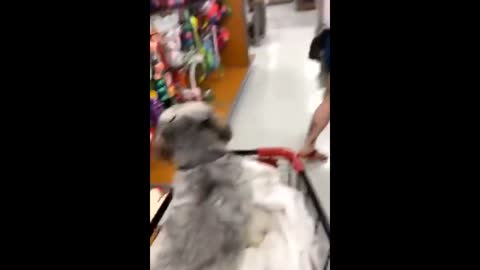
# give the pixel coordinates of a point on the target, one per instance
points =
(293, 174)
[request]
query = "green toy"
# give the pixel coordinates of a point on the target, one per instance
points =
(161, 88)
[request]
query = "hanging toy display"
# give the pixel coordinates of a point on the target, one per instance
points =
(185, 45)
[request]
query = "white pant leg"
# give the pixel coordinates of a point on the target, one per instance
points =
(323, 11)
(320, 24)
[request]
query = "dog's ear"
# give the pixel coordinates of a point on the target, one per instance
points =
(163, 139)
(168, 134)
(162, 149)
(224, 131)
(220, 127)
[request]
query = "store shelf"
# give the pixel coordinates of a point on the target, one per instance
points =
(227, 89)
(226, 84)
(161, 172)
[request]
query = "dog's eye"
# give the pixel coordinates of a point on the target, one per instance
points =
(219, 202)
(173, 118)
(201, 125)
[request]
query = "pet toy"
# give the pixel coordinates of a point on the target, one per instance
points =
(215, 46)
(214, 11)
(223, 36)
(161, 88)
(194, 93)
(198, 44)
(157, 52)
(169, 29)
(173, 46)
(210, 58)
(225, 11)
(153, 94)
(156, 108)
(212, 53)
(187, 37)
(158, 69)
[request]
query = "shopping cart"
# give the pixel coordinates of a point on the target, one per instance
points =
(293, 174)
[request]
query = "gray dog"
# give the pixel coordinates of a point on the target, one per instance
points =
(207, 224)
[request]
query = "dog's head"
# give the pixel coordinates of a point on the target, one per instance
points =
(189, 129)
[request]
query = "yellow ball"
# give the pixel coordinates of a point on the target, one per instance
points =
(153, 94)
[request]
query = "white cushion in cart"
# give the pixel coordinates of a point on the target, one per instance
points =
(291, 244)
(281, 235)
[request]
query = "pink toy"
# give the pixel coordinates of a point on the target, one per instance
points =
(213, 14)
(211, 10)
(173, 47)
(169, 28)
(168, 78)
(222, 37)
(158, 69)
(156, 47)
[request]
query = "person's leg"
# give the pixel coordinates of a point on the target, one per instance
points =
(320, 119)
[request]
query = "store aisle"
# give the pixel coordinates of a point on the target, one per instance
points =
(282, 92)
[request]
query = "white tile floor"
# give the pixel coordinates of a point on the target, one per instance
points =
(282, 93)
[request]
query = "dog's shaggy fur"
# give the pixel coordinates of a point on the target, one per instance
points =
(206, 226)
